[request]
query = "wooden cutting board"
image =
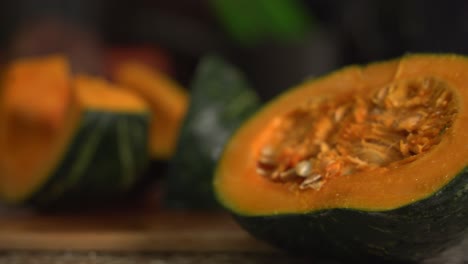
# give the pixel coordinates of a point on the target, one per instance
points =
(126, 230)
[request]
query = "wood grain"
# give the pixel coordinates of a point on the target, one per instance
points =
(133, 231)
(127, 231)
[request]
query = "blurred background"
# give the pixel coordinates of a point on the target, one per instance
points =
(278, 43)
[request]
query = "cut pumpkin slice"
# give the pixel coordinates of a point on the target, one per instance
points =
(221, 100)
(95, 150)
(167, 99)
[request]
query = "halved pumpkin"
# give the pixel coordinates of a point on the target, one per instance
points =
(367, 161)
(64, 137)
(167, 99)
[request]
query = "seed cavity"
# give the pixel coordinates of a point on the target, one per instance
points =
(330, 137)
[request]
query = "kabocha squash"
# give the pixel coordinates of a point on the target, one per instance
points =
(168, 102)
(366, 162)
(66, 139)
(221, 99)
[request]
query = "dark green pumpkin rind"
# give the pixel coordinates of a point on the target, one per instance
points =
(410, 233)
(413, 232)
(221, 100)
(105, 157)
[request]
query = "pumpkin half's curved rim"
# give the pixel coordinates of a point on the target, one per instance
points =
(241, 189)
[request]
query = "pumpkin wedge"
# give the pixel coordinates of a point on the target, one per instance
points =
(369, 161)
(167, 99)
(221, 100)
(87, 142)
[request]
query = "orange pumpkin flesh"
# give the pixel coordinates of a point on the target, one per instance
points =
(38, 90)
(34, 106)
(96, 93)
(40, 110)
(241, 188)
(168, 101)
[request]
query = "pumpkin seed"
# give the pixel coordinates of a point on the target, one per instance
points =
(303, 168)
(314, 182)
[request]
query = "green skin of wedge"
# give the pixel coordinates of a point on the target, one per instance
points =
(104, 159)
(221, 100)
(409, 233)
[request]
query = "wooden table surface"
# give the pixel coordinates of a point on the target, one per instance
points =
(143, 236)
(130, 236)
(129, 230)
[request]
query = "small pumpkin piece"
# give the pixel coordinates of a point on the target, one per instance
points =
(34, 104)
(96, 152)
(108, 151)
(375, 160)
(168, 102)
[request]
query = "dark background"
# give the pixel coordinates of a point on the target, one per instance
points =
(341, 33)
